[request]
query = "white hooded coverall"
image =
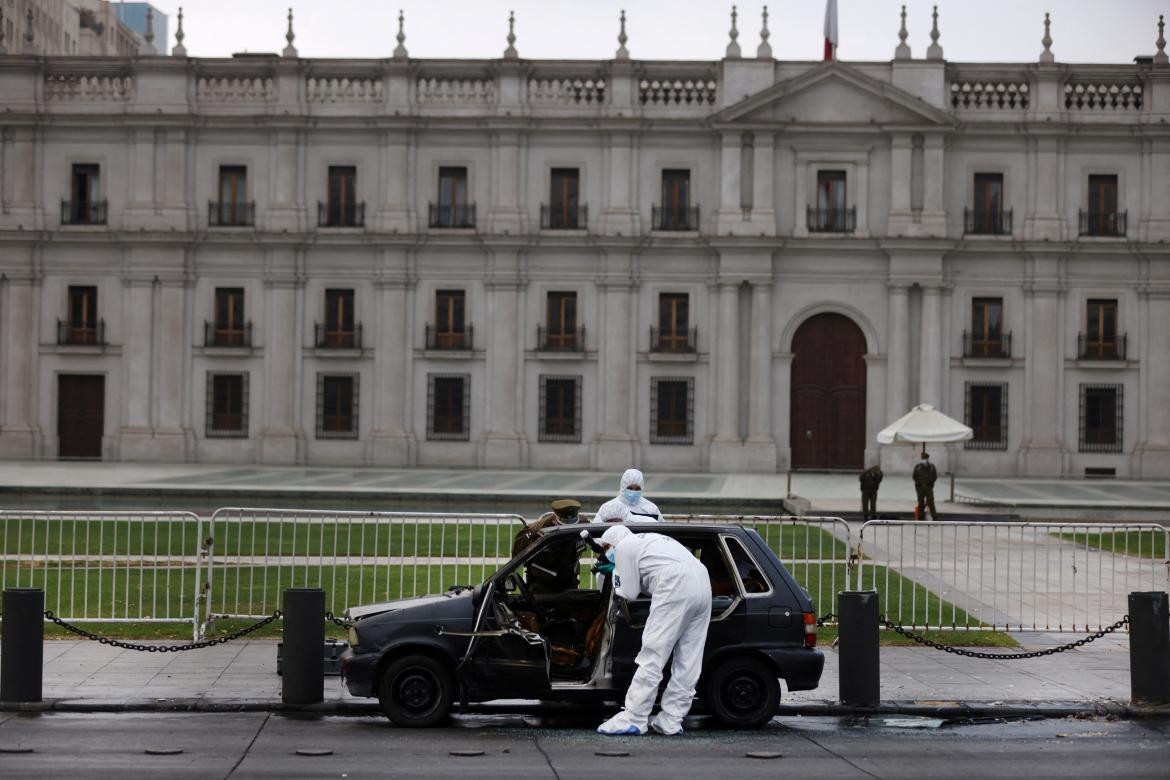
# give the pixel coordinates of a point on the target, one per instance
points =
(641, 511)
(680, 609)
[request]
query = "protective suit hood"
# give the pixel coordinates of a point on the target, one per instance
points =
(615, 535)
(631, 477)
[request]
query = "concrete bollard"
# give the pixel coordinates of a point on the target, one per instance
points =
(303, 677)
(859, 671)
(22, 645)
(1149, 648)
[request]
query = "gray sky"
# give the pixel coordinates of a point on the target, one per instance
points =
(971, 30)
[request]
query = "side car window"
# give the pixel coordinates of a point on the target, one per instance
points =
(707, 550)
(754, 580)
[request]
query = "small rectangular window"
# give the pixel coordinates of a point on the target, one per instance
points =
(563, 199)
(987, 337)
(988, 203)
(1101, 340)
(338, 332)
(986, 414)
(230, 328)
(341, 209)
(561, 321)
(449, 405)
(672, 409)
(1102, 217)
(450, 308)
(560, 408)
(233, 209)
(227, 405)
(83, 325)
(674, 333)
(1101, 416)
(337, 406)
(86, 206)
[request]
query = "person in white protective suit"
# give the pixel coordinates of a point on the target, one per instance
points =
(630, 505)
(680, 609)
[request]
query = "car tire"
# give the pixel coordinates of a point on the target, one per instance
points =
(743, 693)
(416, 691)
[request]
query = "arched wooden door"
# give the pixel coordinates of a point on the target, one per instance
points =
(827, 428)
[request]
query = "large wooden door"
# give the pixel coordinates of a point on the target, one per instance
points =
(80, 415)
(827, 428)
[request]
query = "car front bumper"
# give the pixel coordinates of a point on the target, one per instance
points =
(800, 668)
(358, 671)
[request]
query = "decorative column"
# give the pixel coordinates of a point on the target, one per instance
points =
(727, 365)
(18, 360)
(140, 190)
(171, 354)
(134, 435)
(1042, 452)
(901, 222)
(20, 178)
(930, 355)
(176, 211)
(897, 370)
(505, 217)
(731, 168)
(615, 447)
(274, 403)
(933, 219)
(763, 216)
(619, 218)
(502, 445)
(760, 446)
(392, 442)
(395, 214)
(1153, 450)
(285, 212)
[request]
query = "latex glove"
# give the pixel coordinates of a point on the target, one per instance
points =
(604, 568)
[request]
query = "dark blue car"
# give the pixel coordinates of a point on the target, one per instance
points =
(521, 635)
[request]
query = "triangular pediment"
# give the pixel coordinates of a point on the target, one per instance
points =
(833, 94)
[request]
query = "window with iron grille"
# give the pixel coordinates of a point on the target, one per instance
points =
(448, 407)
(672, 410)
(986, 413)
(560, 408)
(337, 406)
(1101, 418)
(227, 405)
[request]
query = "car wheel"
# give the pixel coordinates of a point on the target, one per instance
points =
(743, 693)
(416, 691)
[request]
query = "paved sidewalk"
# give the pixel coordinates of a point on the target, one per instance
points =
(237, 676)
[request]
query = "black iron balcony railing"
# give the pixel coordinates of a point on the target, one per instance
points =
(557, 218)
(1094, 348)
(990, 346)
(231, 214)
(832, 220)
(80, 334)
(341, 215)
(674, 218)
(987, 223)
(227, 334)
(440, 216)
(560, 340)
(677, 340)
(1102, 223)
(83, 212)
(328, 337)
(450, 339)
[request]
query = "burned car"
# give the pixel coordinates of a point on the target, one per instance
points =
(506, 639)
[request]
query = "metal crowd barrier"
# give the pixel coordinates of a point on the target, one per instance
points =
(1010, 576)
(357, 557)
(105, 566)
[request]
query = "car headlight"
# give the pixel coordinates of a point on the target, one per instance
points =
(353, 637)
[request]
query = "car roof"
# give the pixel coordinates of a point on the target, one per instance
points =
(597, 529)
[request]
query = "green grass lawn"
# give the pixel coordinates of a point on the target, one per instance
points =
(1139, 544)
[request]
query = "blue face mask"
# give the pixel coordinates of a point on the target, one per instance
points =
(632, 496)
(609, 555)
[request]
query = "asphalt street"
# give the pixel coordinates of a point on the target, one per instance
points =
(247, 745)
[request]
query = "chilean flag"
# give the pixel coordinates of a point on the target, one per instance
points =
(830, 29)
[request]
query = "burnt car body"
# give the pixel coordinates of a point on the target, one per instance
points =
(502, 640)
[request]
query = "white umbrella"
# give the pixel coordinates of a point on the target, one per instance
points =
(924, 424)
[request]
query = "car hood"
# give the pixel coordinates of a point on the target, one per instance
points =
(414, 605)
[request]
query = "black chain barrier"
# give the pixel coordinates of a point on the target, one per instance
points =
(1001, 656)
(105, 640)
(338, 621)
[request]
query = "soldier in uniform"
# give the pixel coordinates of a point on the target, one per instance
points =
(558, 568)
(925, 475)
(870, 479)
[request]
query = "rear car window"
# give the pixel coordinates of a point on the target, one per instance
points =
(754, 580)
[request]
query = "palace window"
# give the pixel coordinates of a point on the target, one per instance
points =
(560, 332)
(233, 209)
(1101, 416)
(560, 408)
(564, 211)
(1101, 340)
(675, 211)
(672, 410)
(449, 331)
(227, 405)
(448, 407)
(339, 330)
(342, 208)
(988, 215)
(229, 329)
(83, 325)
(337, 406)
(987, 338)
(1102, 217)
(986, 407)
(673, 333)
(453, 209)
(86, 206)
(831, 214)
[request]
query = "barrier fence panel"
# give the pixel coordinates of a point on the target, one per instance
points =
(815, 550)
(1014, 576)
(105, 566)
(357, 557)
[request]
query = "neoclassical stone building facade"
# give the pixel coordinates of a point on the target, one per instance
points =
(745, 264)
